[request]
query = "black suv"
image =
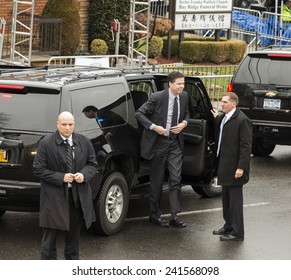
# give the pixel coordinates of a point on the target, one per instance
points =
(32, 99)
(263, 84)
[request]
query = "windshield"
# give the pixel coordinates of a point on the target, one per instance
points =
(264, 70)
(29, 112)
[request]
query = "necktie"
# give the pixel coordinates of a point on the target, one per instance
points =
(175, 112)
(69, 158)
(174, 117)
(220, 134)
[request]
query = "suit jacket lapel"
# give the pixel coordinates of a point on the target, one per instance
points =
(61, 150)
(182, 106)
(77, 151)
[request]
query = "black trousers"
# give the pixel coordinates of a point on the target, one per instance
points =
(49, 239)
(232, 203)
(168, 155)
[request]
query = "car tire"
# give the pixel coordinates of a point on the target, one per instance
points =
(262, 149)
(2, 212)
(210, 191)
(111, 205)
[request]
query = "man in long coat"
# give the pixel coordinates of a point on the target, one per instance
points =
(234, 143)
(65, 195)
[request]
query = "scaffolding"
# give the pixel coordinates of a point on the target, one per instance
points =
(2, 32)
(139, 31)
(22, 32)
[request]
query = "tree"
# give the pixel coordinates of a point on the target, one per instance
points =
(71, 24)
(101, 13)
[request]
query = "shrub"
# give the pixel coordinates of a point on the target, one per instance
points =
(237, 49)
(218, 52)
(98, 47)
(71, 28)
(175, 43)
(174, 46)
(211, 51)
(155, 47)
(192, 51)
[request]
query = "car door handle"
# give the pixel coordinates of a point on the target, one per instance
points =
(192, 138)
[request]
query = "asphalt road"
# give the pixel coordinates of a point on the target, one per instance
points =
(267, 214)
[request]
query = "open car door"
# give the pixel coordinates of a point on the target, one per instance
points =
(198, 160)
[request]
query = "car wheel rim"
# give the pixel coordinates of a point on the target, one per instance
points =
(214, 183)
(114, 204)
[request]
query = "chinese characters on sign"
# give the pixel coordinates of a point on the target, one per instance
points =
(203, 14)
(202, 21)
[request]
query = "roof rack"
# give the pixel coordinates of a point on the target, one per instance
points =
(275, 47)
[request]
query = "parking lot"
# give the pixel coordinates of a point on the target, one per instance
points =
(267, 225)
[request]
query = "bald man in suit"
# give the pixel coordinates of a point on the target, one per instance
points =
(65, 194)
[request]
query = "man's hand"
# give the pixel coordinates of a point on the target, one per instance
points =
(160, 130)
(69, 177)
(178, 128)
(79, 177)
(214, 113)
(238, 173)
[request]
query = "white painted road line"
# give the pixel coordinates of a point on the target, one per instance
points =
(199, 211)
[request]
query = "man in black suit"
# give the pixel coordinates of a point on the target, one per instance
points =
(234, 144)
(164, 116)
(65, 164)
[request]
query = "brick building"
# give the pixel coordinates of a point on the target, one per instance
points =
(6, 10)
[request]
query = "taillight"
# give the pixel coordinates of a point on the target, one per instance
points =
(279, 55)
(230, 87)
(12, 89)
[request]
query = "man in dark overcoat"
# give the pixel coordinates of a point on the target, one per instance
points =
(162, 143)
(65, 195)
(234, 144)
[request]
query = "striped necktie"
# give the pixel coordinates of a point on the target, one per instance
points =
(69, 158)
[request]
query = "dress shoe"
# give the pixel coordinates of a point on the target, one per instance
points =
(231, 237)
(177, 224)
(159, 222)
(221, 231)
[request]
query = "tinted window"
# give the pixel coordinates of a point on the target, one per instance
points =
(196, 105)
(110, 100)
(30, 112)
(263, 70)
(145, 86)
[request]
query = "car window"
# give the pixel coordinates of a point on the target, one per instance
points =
(145, 86)
(29, 112)
(264, 70)
(109, 100)
(196, 105)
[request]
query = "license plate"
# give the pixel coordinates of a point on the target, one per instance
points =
(273, 104)
(3, 156)
(3, 192)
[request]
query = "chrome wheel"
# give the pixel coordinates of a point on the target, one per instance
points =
(114, 204)
(111, 205)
